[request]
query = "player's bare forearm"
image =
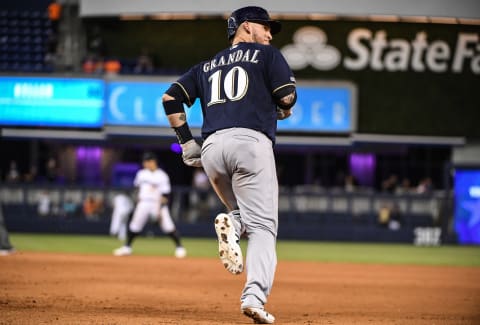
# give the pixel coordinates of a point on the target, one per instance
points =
(177, 119)
(164, 200)
(286, 101)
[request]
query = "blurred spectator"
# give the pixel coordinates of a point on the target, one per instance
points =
(96, 65)
(51, 170)
(94, 61)
(92, 208)
(31, 176)
(425, 186)
(13, 175)
(389, 216)
(405, 187)
(144, 62)
(69, 208)
(390, 184)
(396, 220)
(112, 67)
(88, 65)
(43, 208)
(54, 13)
(99, 66)
(350, 183)
(383, 215)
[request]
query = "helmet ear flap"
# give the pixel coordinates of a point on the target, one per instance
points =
(232, 27)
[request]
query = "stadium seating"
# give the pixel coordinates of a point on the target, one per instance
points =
(305, 212)
(24, 41)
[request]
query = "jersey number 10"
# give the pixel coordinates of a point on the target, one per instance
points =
(235, 85)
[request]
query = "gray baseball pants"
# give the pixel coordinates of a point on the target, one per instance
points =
(241, 167)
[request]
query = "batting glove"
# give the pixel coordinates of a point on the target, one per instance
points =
(283, 113)
(191, 153)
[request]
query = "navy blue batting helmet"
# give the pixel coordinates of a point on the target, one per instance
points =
(253, 14)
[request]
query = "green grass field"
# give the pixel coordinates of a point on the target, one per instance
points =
(287, 250)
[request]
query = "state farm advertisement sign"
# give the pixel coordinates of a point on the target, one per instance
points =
(377, 50)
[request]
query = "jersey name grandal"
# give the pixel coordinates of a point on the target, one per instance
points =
(236, 88)
(237, 56)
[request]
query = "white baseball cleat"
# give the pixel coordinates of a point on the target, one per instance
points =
(180, 252)
(123, 251)
(259, 315)
(228, 244)
(7, 251)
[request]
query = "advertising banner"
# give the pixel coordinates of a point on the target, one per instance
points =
(51, 102)
(321, 107)
(467, 205)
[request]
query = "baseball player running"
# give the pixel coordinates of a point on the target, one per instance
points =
(243, 90)
(153, 190)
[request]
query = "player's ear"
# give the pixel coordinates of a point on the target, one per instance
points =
(247, 27)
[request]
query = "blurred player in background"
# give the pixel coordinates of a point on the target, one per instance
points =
(199, 196)
(243, 90)
(153, 194)
(122, 208)
(5, 247)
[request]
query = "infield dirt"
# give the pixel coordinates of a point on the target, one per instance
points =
(38, 288)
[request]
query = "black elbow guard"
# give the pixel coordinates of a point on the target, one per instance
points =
(280, 94)
(173, 106)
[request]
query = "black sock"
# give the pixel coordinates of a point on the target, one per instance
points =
(176, 238)
(130, 237)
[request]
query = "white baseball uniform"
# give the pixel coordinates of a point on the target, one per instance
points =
(122, 207)
(152, 186)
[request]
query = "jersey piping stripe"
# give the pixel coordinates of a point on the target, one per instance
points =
(185, 92)
(286, 85)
